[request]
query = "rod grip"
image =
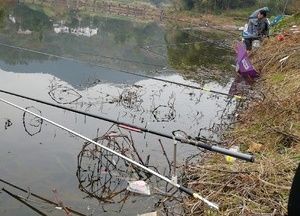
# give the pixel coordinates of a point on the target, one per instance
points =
(238, 155)
(186, 190)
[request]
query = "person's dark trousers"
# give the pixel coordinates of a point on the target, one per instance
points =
(294, 199)
(248, 43)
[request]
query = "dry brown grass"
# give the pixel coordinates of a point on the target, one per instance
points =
(243, 188)
(270, 129)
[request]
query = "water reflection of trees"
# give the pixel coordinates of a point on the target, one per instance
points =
(33, 20)
(62, 94)
(24, 18)
(199, 58)
(2, 16)
(205, 59)
(116, 37)
(18, 57)
(5, 5)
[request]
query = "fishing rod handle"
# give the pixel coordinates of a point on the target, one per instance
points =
(235, 154)
(218, 149)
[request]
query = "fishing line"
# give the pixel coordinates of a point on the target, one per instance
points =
(125, 71)
(180, 187)
(201, 142)
(186, 43)
(230, 32)
(128, 60)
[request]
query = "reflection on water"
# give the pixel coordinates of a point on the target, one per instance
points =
(117, 43)
(140, 47)
(199, 54)
(36, 154)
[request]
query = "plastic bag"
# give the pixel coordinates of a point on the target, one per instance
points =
(140, 187)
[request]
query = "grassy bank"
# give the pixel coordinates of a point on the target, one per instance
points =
(269, 129)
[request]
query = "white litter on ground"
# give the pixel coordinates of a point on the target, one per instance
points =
(284, 59)
(148, 214)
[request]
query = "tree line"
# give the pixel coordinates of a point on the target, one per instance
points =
(278, 6)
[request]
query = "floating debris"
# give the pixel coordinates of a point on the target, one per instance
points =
(7, 124)
(63, 94)
(139, 187)
(131, 98)
(165, 113)
(32, 124)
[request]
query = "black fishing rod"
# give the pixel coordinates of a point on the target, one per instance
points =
(201, 143)
(125, 71)
(25, 203)
(39, 197)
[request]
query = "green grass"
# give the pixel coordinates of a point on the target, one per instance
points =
(287, 22)
(277, 78)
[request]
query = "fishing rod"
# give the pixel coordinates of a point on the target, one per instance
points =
(219, 44)
(201, 143)
(72, 59)
(128, 60)
(39, 197)
(180, 187)
(25, 203)
(205, 39)
(125, 71)
(202, 38)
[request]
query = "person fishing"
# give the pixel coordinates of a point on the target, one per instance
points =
(257, 28)
(263, 24)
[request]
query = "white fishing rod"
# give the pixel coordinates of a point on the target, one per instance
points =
(180, 187)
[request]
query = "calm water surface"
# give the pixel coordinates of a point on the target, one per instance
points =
(89, 77)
